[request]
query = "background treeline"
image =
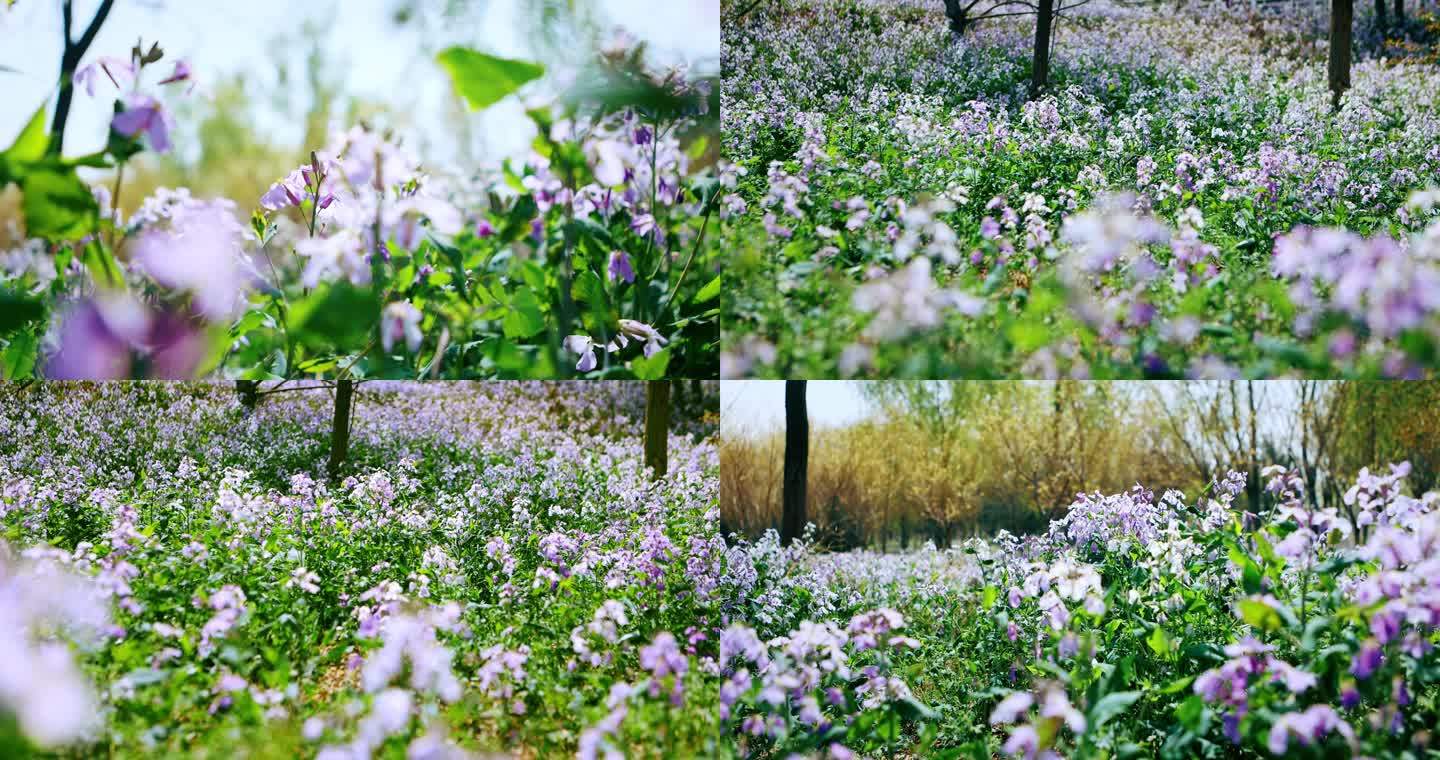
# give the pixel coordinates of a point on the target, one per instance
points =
(941, 461)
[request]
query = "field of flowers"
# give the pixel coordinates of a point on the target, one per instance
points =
(496, 572)
(1181, 200)
(1140, 624)
(592, 256)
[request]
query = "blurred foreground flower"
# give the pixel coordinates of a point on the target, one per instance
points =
(40, 685)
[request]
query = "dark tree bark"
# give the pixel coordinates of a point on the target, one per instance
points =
(74, 52)
(1040, 73)
(1399, 12)
(797, 460)
(956, 14)
(1252, 483)
(1342, 22)
(1380, 13)
(340, 426)
(657, 426)
(249, 391)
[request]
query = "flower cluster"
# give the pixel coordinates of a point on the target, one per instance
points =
(212, 568)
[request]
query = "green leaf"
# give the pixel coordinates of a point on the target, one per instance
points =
(651, 368)
(57, 204)
(588, 289)
(1159, 642)
(31, 143)
(484, 79)
(711, 290)
(888, 727)
(1259, 614)
(1111, 705)
(1178, 685)
(457, 263)
(335, 317)
(524, 319)
(17, 310)
(18, 360)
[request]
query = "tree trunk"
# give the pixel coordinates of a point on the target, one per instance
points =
(1399, 12)
(1040, 73)
(1342, 21)
(72, 53)
(956, 14)
(657, 426)
(1253, 481)
(249, 391)
(1380, 20)
(340, 426)
(797, 457)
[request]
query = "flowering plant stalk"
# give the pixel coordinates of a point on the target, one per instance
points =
(593, 255)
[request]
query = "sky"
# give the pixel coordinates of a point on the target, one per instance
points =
(377, 59)
(759, 405)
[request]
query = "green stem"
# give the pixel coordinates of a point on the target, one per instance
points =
(670, 299)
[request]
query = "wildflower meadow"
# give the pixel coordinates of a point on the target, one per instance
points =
(1280, 610)
(1171, 190)
(496, 571)
(1139, 624)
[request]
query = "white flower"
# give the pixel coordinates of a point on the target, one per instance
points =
(328, 258)
(641, 331)
(1011, 708)
(909, 300)
(584, 345)
(400, 319)
(304, 579)
(610, 160)
(40, 685)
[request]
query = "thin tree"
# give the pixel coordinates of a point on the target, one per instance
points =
(73, 52)
(249, 391)
(797, 460)
(1040, 71)
(1380, 13)
(340, 426)
(1399, 13)
(1342, 23)
(657, 426)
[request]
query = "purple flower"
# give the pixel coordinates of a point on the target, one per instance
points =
(662, 657)
(1308, 727)
(144, 114)
(1024, 741)
(99, 339)
(200, 251)
(1011, 708)
(119, 71)
(1349, 695)
(290, 191)
(1367, 660)
(620, 268)
(400, 320)
(181, 73)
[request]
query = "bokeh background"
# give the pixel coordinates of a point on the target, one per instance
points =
(276, 76)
